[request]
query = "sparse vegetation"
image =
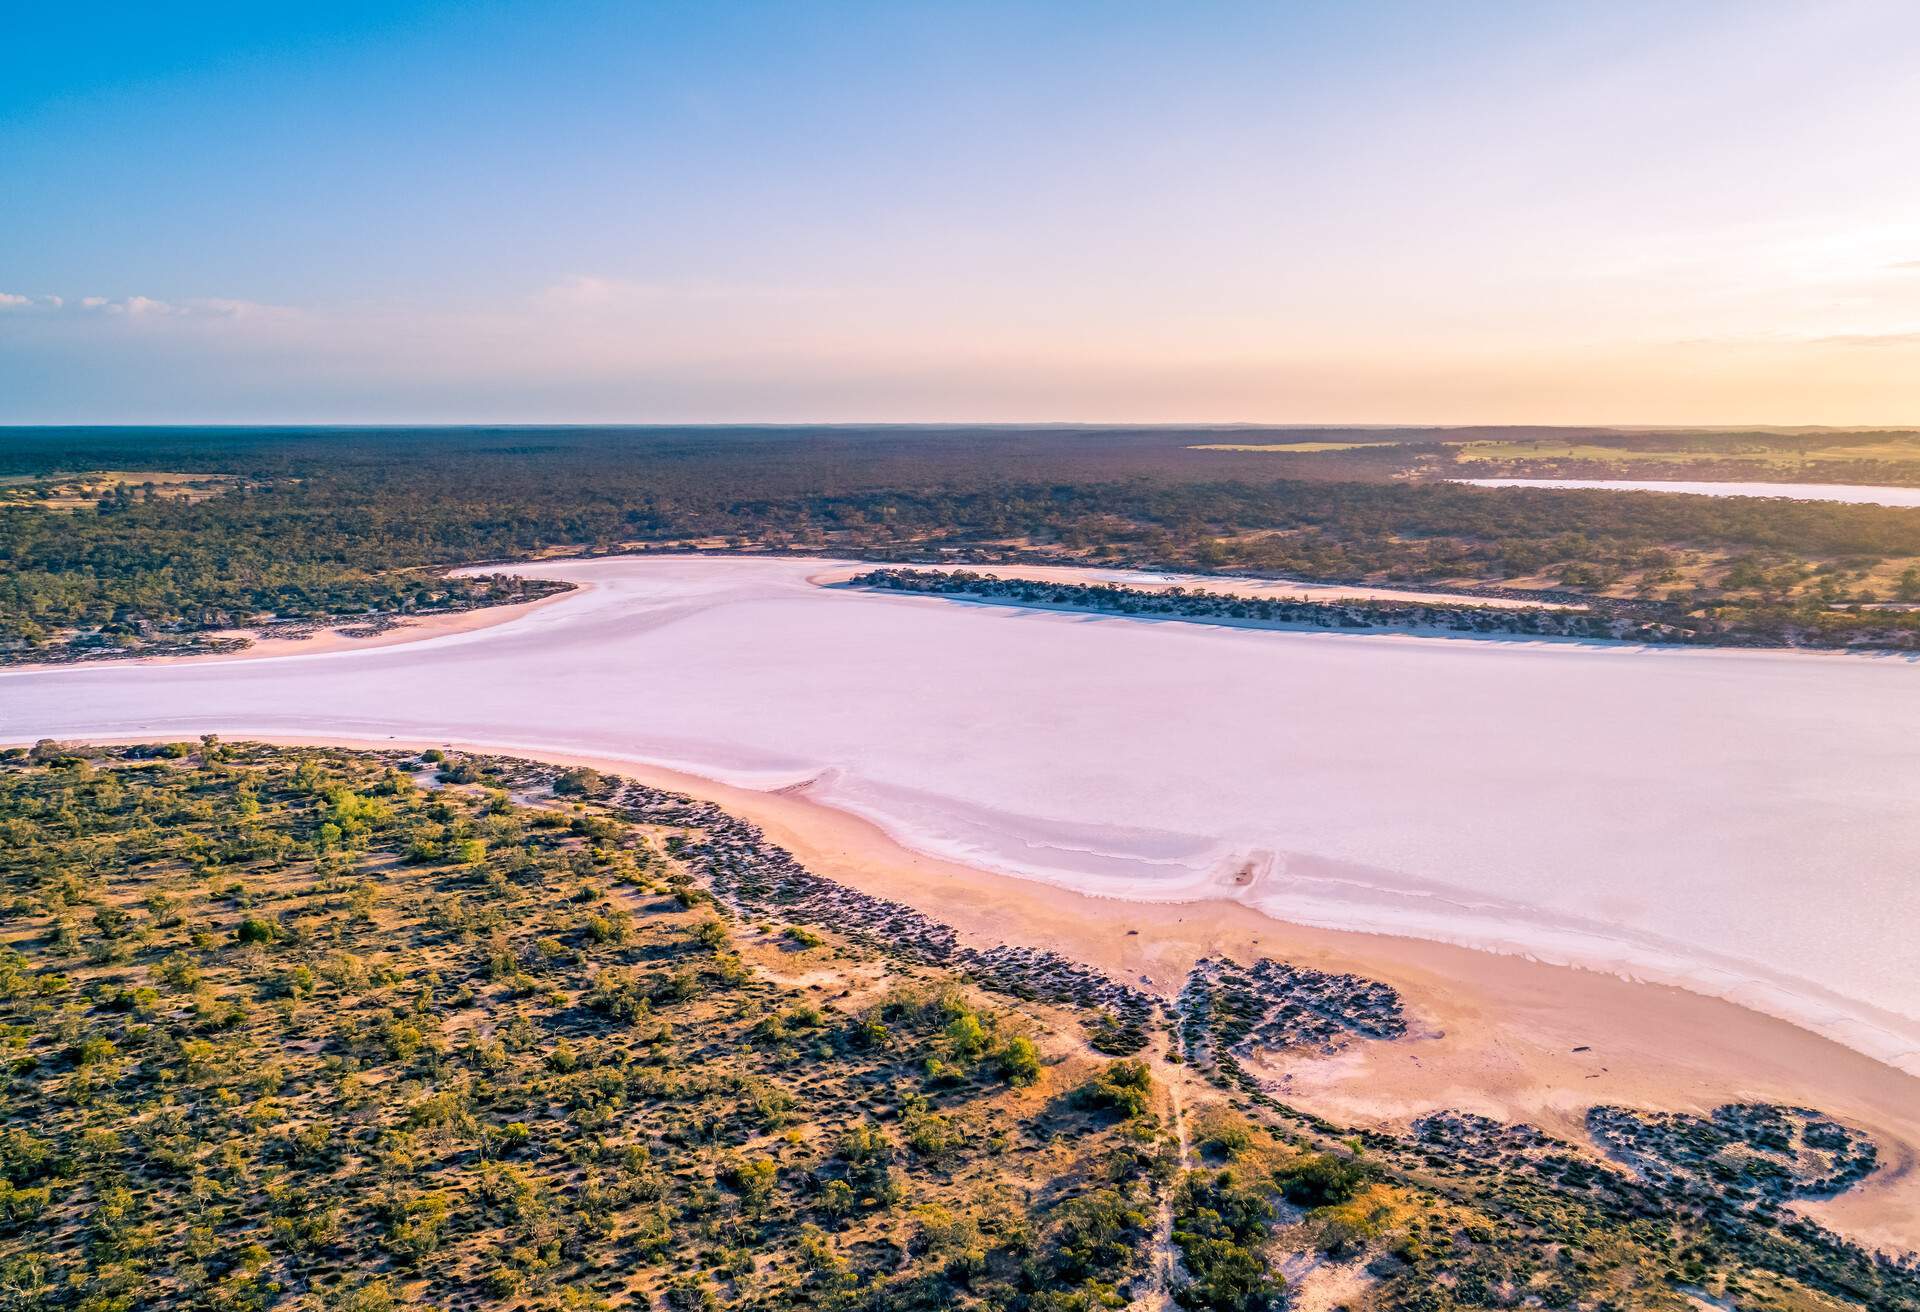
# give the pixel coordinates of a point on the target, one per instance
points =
(276, 1037)
(284, 1055)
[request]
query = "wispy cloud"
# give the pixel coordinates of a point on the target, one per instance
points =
(1906, 337)
(586, 291)
(138, 307)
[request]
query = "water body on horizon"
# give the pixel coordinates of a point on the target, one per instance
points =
(1743, 823)
(1857, 494)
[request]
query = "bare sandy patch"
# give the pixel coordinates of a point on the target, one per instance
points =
(82, 491)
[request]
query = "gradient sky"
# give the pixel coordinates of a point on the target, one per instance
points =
(1451, 213)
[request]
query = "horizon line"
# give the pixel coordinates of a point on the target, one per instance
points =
(941, 424)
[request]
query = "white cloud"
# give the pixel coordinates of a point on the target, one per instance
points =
(225, 308)
(16, 301)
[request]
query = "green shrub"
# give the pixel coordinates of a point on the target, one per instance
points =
(1125, 1086)
(1220, 1225)
(1020, 1061)
(257, 930)
(582, 782)
(1322, 1179)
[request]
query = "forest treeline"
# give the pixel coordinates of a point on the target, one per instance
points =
(351, 521)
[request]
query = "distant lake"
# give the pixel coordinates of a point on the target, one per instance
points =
(1859, 494)
(1745, 823)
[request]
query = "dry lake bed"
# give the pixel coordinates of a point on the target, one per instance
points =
(1742, 823)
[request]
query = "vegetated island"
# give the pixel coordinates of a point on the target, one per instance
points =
(329, 1029)
(1618, 621)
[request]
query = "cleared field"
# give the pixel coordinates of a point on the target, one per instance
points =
(79, 491)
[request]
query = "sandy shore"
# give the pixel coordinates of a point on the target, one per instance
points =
(412, 628)
(1503, 1036)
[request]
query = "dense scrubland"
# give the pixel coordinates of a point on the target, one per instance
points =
(330, 524)
(317, 1029)
(1605, 620)
(313, 1028)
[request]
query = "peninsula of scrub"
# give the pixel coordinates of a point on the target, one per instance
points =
(1617, 621)
(324, 1029)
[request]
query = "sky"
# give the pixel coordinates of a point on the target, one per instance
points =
(1692, 212)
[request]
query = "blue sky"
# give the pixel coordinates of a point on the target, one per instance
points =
(1293, 213)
